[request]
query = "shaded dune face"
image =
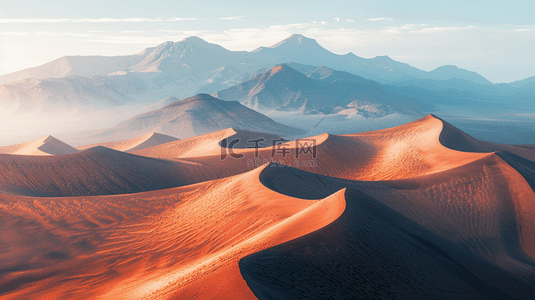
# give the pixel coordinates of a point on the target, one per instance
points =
(402, 213)
(97, 171)
(468, 231)
(453, 138)
(372, 252)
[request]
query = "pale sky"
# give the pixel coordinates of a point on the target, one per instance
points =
(494, 38)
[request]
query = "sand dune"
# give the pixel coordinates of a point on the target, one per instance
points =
(96, 171)
(373, 252)
(417, 211)
(157, 244)
(209, 144)
(469, 230)
(45, 146)
(149, 140)
(405, 151)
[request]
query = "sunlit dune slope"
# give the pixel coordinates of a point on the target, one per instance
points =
(96, 171)
(45, 146)
(177, 243)
(149, 140)
(406, 151)
(207, 144)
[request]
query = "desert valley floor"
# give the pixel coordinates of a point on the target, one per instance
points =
(418, 211)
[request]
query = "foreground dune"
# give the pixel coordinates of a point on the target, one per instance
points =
(480, 216)
(417, 211)
(153, 244)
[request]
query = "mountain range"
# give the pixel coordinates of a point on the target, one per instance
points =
(194, 55)
(295, 75)
(189, 67)
(319, 90)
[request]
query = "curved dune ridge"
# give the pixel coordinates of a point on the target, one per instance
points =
(45, 146)
(468, 232)
(149, 140)
(157, 244)
(410, 150)
(455, 139)
(417, 211)
(209, 144)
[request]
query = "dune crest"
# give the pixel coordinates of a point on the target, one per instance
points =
(44, 146)
(95, 171)
(406, 151)
(198, 233)
(149, 140)
(210, 144)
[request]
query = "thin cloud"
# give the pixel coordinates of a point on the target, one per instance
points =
(381, 19)
(337, 19)
(350, 21)
(239, 18)
(98, 20)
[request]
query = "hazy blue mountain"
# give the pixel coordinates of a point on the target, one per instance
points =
(525, 83)
(193, 116)
(193, 65)
(300, 49)
(86, 66)
(279, 88)
(318, 91)
(188, 67)
(59, 93)
(449, 72)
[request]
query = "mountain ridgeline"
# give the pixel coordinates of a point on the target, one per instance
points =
(192, 66)
(319, 90)
(194, 116)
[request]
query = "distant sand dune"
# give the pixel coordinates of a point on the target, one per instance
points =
(405, 151)
(45, 146)
(149, 140)
(96, 171)
(207, 144)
